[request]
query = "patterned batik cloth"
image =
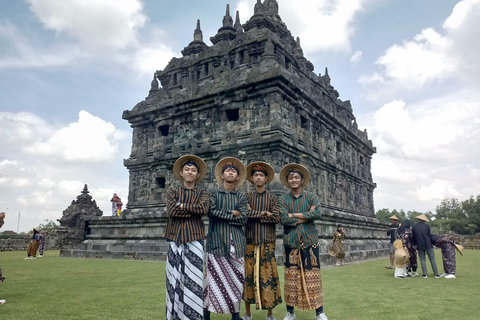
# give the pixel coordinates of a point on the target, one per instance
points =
(303, 278)
(338, 243)
(448, 257)
(185, 280)
(262, 285)
(224, 279)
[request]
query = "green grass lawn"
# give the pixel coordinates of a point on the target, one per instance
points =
(64, 288)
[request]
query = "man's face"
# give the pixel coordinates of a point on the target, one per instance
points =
(230, 175)
(394, 222)
(189, 173)
(259, 179)
(294, 180)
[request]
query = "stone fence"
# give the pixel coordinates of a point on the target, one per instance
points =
(471, 242)
(21, 243)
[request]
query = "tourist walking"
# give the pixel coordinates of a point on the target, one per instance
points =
(421, 236)
(185, 233)
(298, 211)
(339, 245)
(33, 246)
(226, 243)
(392, 228)
(262, 285)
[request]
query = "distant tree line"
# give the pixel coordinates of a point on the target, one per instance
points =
(450, 215)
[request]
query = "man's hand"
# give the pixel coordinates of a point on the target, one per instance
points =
(236, 213)
(266, 213)
(300, 221)
(312, 208)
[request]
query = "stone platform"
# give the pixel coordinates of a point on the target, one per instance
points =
(140, 237)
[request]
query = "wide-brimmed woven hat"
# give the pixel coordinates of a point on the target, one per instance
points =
(178, 167)
(393, 218)
(459, 248)
(299, 167)
(241, 171)
(268, 168)
(422, 217)
(332, 251)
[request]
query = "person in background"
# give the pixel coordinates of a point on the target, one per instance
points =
(262, 285)
(391, 232)
(42, 243)
(339, 244)
(33, 246)
(421, 236)
(119, 206)
(2, 278)
(114, 205)
(448, 246)
(405, 234)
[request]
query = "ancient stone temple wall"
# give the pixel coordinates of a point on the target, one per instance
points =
(252, 95)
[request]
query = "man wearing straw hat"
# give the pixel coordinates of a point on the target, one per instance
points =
(298, 211)
(392, 229)
(262, 285)
(421, 238)
(185, 233)
(448, 246)
(224, 268)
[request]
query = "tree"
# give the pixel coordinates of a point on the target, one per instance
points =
(49, 227)
(383, 215)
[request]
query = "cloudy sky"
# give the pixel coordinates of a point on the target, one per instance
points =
(69, 68)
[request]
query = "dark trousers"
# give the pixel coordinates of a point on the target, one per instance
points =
(431, 257)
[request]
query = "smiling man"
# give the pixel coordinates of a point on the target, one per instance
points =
(262, 285)
(185, 232)
(298, 211)
(224, 269)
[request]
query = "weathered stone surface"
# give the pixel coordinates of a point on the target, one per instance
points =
(252, 95)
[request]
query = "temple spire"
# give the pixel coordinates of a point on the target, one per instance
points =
(197, 34)
(237, 24)
(259, 8)
(227, 19)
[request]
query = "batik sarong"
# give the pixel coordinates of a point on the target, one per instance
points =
(303, 278)
(185, 281)
(448, 257)
(262, 285)
(224, 279)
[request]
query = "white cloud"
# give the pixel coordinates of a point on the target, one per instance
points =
(97, 24)
(321, 25)
(90, 139)
(356, 57)
(430, 57)
(437, 190)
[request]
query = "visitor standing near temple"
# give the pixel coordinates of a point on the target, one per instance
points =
(42, 240)
(392, 228)
(421, 236)
(33, 246)
(262, 285)
(404, 241)
(119, 206)
(298, 211)
(185, 233)
(447, 246)
(339, 245)
(2, 278)
(114, 205)
(226, 243)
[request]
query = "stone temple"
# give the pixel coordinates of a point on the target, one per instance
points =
(253, 95)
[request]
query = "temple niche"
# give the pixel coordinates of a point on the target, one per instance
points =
(251, 94)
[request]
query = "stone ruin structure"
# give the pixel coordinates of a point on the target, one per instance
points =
(253, 95)
(74, 221)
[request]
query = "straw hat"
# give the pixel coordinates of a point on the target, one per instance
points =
(393, 218)
(331, 251)
(422, 217)
(299, 167)
(459, 248)
(241, 171)
(178, 167)
(268, 168)
(36, 229)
